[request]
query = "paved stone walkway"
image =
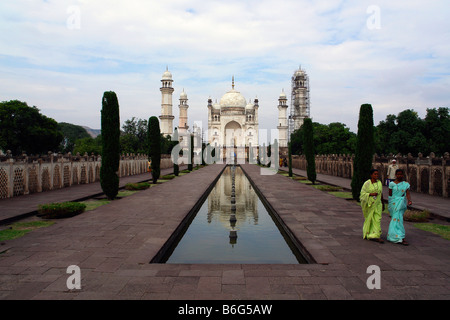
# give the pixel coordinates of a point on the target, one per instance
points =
(113, 245)
(438, 206)
(26, 205)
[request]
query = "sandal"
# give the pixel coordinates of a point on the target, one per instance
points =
(404, 243)
(377, 240)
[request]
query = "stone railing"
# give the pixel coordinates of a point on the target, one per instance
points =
(25, 175)
(429, 175)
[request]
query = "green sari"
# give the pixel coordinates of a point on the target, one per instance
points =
(372, 208)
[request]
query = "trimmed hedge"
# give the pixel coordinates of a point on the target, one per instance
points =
(137, 186)
(308, 138)
(110, 123)
(168, 177)
(60, 210)
(365, 148)
(416, 215)
(154, 147)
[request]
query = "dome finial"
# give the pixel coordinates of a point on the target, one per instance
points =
(232, 83)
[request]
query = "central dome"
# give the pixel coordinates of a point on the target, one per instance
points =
(233, 98)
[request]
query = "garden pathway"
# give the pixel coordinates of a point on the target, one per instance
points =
(113, 245)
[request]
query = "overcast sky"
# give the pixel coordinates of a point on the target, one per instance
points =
(61, 56)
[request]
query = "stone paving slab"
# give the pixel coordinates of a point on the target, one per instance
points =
(26, 205)
(438, 206)
(113, 245)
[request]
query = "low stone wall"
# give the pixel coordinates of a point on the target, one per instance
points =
(429, 175)
(25, 175)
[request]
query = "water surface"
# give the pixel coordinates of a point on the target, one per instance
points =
(210, 236)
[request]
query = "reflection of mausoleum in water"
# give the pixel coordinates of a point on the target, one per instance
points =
(219, 200)
(232, 226)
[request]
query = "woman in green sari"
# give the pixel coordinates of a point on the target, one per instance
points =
(398, 193)
(372, 205)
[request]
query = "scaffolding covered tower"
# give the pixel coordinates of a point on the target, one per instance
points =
(300, 101)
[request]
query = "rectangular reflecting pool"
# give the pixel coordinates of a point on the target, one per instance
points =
(233, 230)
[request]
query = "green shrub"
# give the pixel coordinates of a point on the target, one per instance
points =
(290, 159)
(137, 186)
(362, 162)
(154, 147)
(416, 215)
(176, 167)
(342, 194)
(299, 178)
(110, 123)
(168, 177)
(308, 138)
(60, 210)
(191, 155)
(325, 187)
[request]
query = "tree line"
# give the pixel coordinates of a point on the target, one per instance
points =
(403, 133)
(132, 139)
(406, 133)
(25, 129)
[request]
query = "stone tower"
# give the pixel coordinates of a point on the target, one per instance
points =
(283, 125)
(299, 99)
(183, 118)
(166, 117)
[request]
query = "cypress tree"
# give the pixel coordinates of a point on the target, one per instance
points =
(365, 147)
(154, 146)
(308, 139)
(203, 152)
(290, 159)
(191, 154)
(176, 167)
(110, 126)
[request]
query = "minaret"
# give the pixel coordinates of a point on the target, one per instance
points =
(166, 116)
(182, 126)
(256, 120)
(282, 121)
(300, 99)
(210, 120)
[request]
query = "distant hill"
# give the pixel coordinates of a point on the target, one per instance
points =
(93, 132)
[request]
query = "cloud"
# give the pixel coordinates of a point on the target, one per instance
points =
(62, 55)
